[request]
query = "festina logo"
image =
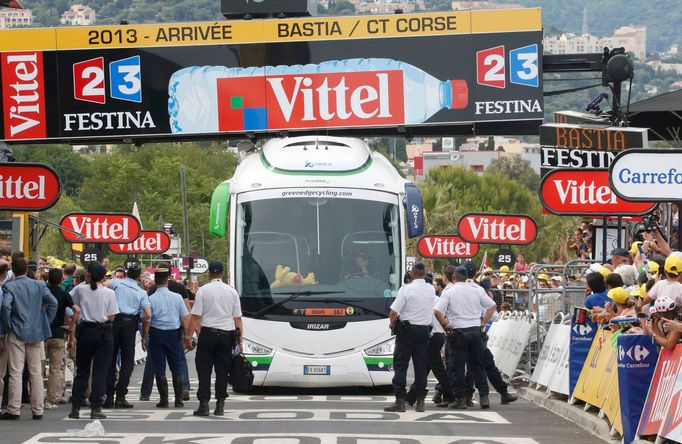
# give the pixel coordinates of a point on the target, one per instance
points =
(497, 229)
(23, 93)
(114, 228)
(508, 107)
(121, 120)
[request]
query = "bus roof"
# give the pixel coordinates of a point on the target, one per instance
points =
(316, 161)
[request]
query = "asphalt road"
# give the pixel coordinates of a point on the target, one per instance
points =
(302, 417)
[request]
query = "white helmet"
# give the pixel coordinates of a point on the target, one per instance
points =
(663, 304)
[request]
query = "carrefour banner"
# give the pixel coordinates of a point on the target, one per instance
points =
(637, 355)
(437, 73)
(581, 341)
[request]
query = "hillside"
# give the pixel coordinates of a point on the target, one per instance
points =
(663, 18)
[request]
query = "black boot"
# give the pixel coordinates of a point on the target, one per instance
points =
(507, 398)
(437, 398)
(121, 403)
(410, 397)
(203, 408)
(96, 413)
(75, 412)
(177, 389)
(397, 406)
(162, 386)
(219, 407)
(470, 400)
(458, 404)
(419, 405)
(109, 402)
(485, 402)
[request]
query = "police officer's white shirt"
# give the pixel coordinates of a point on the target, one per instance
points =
(437, 328)
(96, 305)
(218, 304)
(414, 302)
(462, 304)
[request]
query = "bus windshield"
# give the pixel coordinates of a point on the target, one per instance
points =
(312, 257)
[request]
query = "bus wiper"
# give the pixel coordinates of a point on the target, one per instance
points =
(292, 295)
(362, 307)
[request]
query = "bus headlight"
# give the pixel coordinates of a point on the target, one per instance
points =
(253, 348)
(382, 349)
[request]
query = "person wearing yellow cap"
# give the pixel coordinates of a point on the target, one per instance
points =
(504, 270)
(634, 248)
(670, 286)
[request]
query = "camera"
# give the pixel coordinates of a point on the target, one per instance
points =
(650, 222)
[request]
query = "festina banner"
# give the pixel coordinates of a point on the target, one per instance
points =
(637, 355)
(453, 72)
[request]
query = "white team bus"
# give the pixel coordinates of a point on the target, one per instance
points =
(317, 229)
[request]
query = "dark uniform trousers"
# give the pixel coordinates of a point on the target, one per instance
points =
(435, 365)
(124, 331)
(95, 343)
(492, 372)
(163, 345)
(411, 344)
(465, 350)
(214, 350)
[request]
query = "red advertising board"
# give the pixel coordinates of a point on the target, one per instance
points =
(445, 246)
(28, 187)
(581, 192)
(661, 392)
(23, 95)
(149, 242)
(100, 227)
(511, 229)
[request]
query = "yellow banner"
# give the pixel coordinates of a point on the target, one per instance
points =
(599, 372)
(276, 30)
(612, 401)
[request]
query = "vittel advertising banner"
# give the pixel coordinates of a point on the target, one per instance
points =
(149, 242)
(445, 246)
(424, 73)
(661, 392)
(100, 227)
(28, 187)
(500, 229)
(581, 192)
(647, 175)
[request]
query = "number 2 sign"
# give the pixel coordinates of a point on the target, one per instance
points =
(125, 80)
(491, 66)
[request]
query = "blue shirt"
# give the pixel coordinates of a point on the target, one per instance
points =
(129, 296)
(168, 309)
(23, 311)
(597, 300)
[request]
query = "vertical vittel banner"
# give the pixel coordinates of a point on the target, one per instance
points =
(435, 73)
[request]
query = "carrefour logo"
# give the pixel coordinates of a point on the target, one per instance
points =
(582, 330)
(636, 355)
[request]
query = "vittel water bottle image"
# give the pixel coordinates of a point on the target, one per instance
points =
(338, 93)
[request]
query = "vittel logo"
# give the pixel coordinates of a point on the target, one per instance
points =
(100, 228)
(23, 92)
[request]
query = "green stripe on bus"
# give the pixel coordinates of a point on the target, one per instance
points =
(259, 359)
(386, 361)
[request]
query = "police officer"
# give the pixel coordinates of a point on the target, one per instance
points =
(414, 305)
(459, 312)
(218, 311)
(94, 341)
(169, 323)
(132, 301)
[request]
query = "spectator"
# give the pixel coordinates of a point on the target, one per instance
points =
(664, 309)
(619, 256)
(598, 298)
(670, 286)
(629, 275)
(521, 264)
(68, 283)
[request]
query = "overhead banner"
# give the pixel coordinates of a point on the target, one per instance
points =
(583, 192)
(436, 73)
(647, 175)
(637, 355)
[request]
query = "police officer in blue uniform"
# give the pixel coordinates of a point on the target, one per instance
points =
(169, 324)
(132, 301)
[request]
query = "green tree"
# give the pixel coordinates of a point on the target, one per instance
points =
(71, 167)
(517, 169)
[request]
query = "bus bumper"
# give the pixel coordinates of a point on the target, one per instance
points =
(286, 370)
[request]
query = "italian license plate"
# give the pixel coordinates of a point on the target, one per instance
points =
(316, 369)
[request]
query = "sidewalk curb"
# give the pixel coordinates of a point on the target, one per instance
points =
(587, 420)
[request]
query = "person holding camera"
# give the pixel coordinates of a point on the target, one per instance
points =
(411, 318)
(658, 327)
(459, 312)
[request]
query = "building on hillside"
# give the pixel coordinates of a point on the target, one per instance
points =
(14, 18)
(658, 65)
(383, 7)
(632, 38)
(477, 161)
(79, 15)
(473, 5)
